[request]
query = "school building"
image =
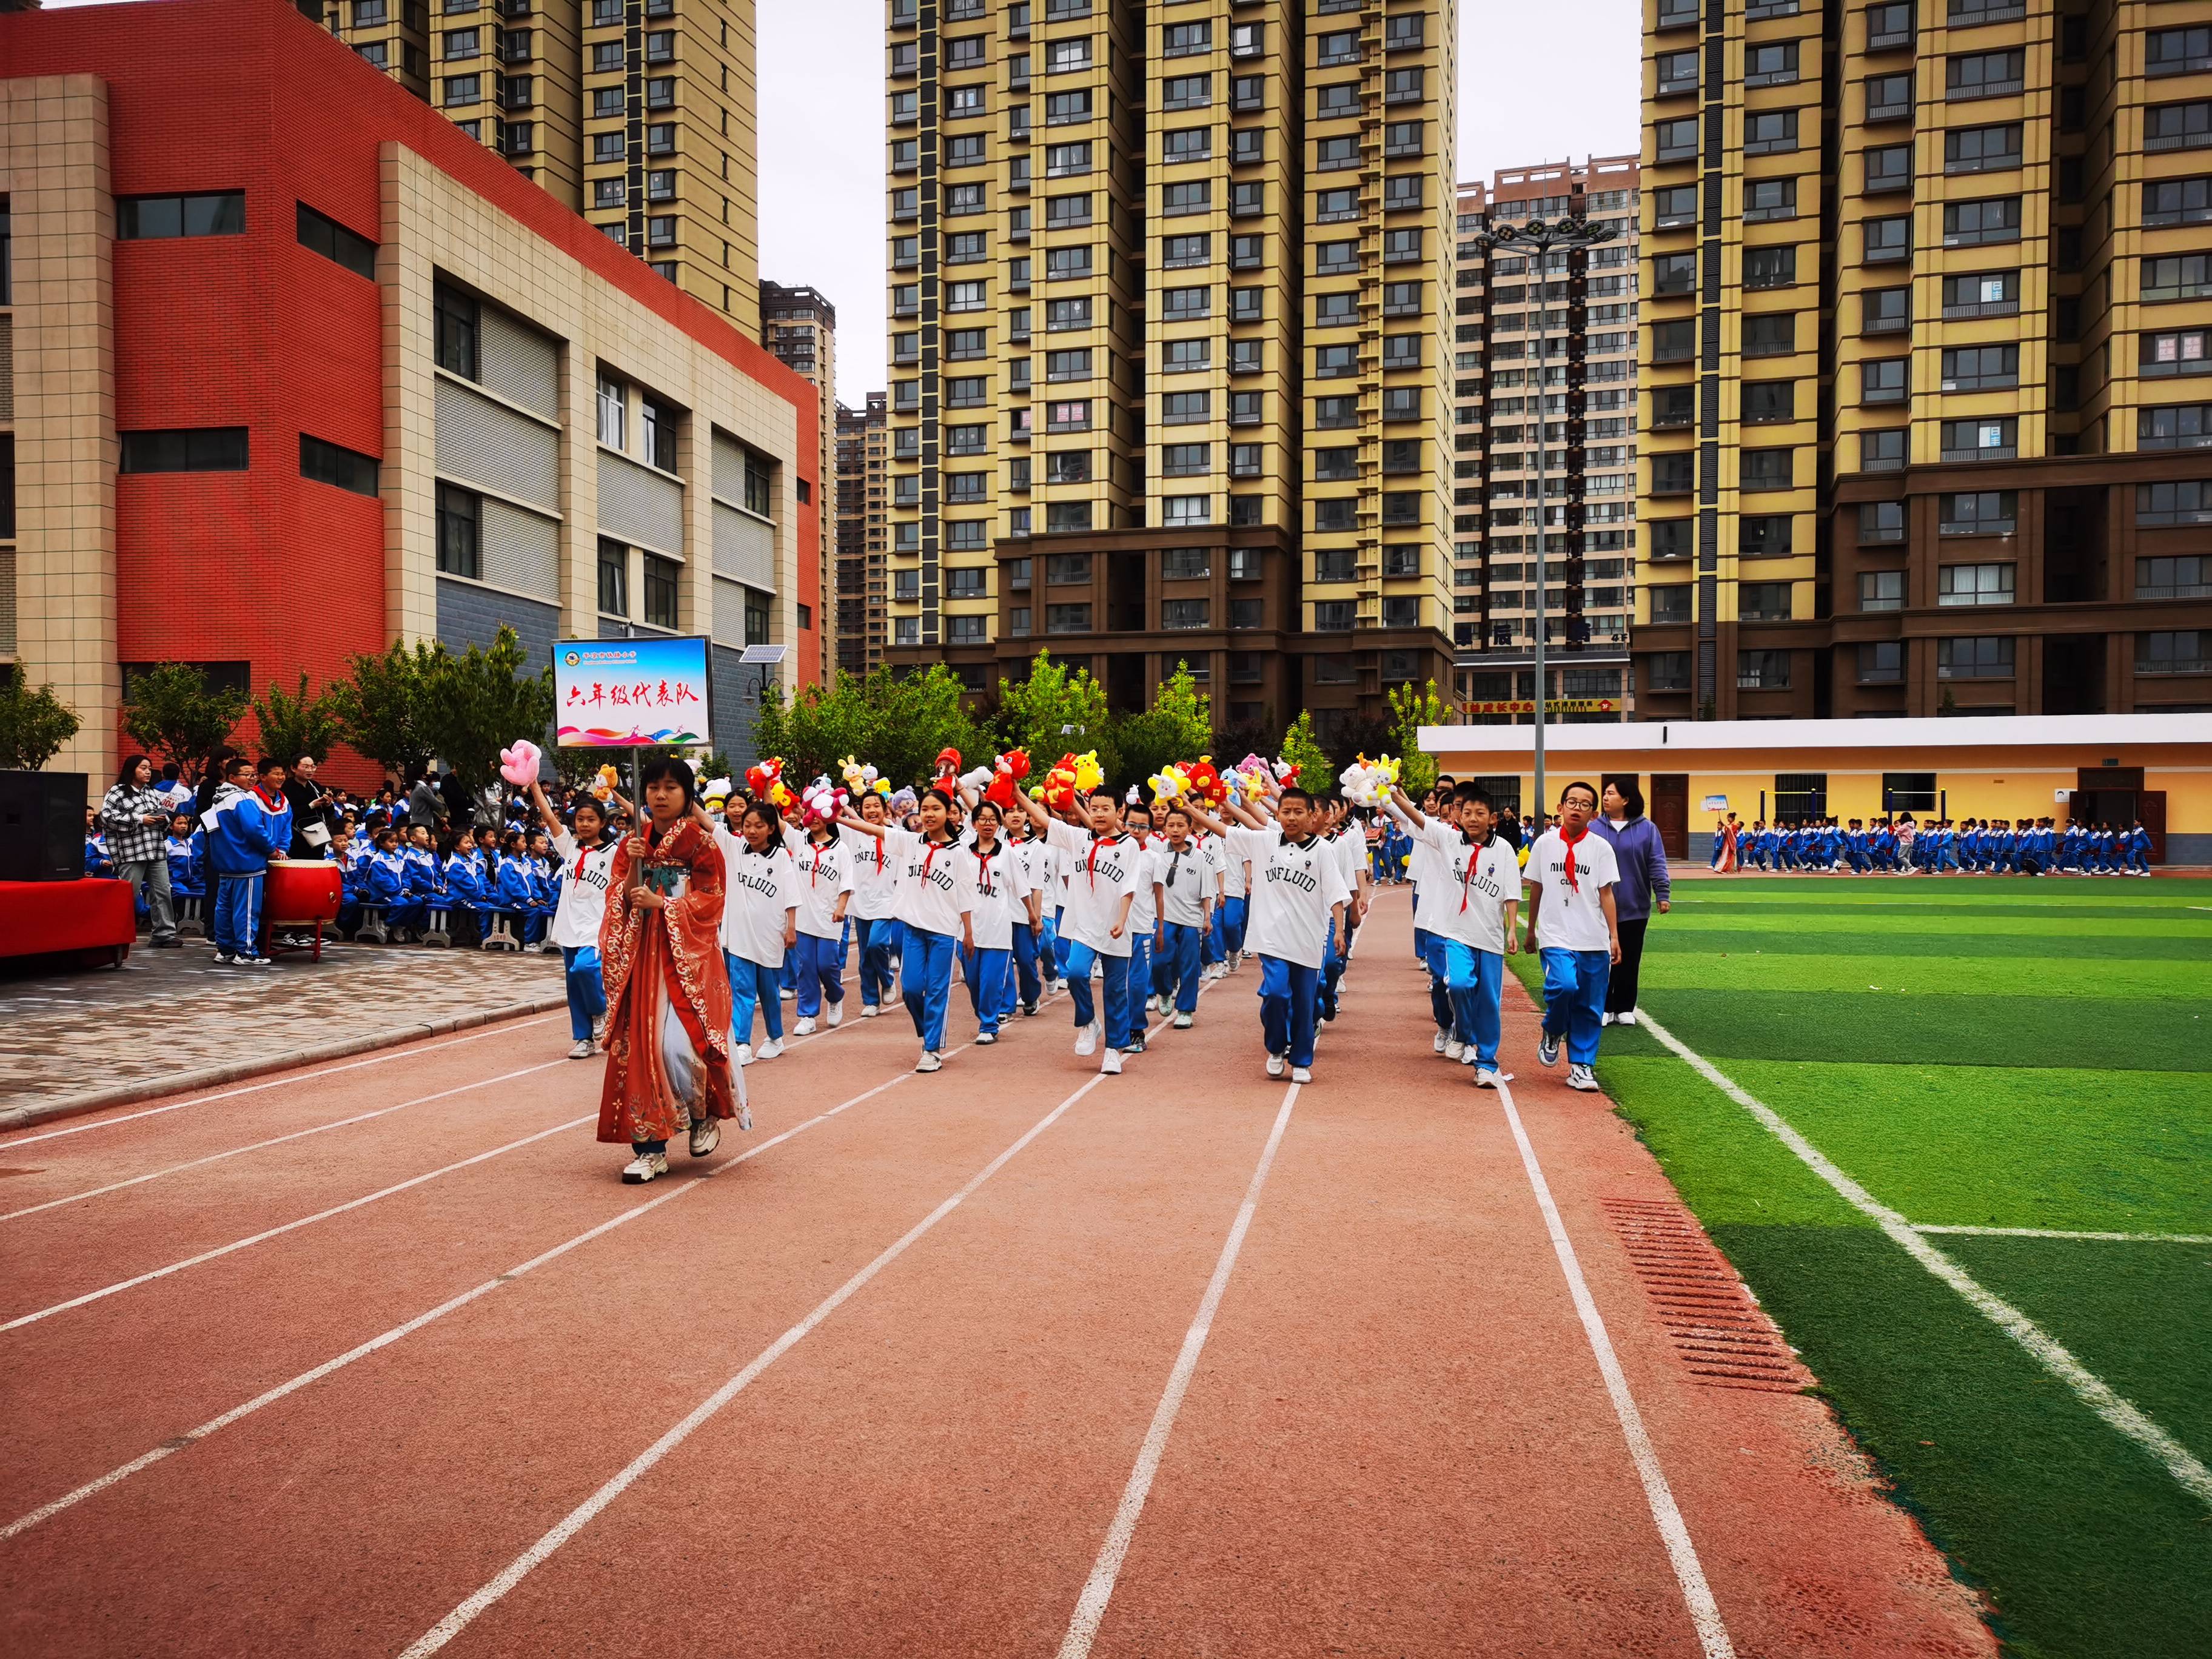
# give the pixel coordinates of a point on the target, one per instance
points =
(2090, 769)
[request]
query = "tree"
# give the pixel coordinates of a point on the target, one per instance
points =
(294, 723)
(383, 706)
(1053, 712)
(1178, 726)
(483, 701)
(172, 709)
(34, 724)
(1303, 749)
(1411, 710)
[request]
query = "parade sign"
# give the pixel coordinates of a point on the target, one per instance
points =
(630, 694)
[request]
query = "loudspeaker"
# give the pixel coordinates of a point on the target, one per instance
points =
(42, 826)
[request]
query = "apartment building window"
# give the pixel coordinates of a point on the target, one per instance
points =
(1188, 144)
(1401, 192)
(1768, 469)
(1185, 460)
(2182, 652)
(1764, 133)
(1988, 657)
(1401, 247)
(1983, 73)
(1405, 86)
(151, 218)
(657, 430)
(1765, 402)
(1982, 149)
(1882, 590)
(1067, 619)
(1675, 207)
(1399, 403)
(2177, 51)
(1402, 507)
(959, 199)
(1331, 616)
(1186, 39)
(1670, 603)
(1185, 252)
(660, 231)
(1067, 160)
(1983, 294)
(1889, 26)
(1248, 95)
(1185, 92)
(1762, 671)
(1072, 416)
(1067, 365)
(1882, 663)
(961, 488)
(1193, 197)
(1771, 334)
(1331, 414)
(2178, 126)
(1884, 311)
(2185, 577)
(460, 532)
(1335, 516)
(1981, 368)
(660, 138)
(966, 52)
(1963, 13)
(1761, 535)
(1989, 438)
(1993, 219)
(1062, 264)
(1335, 361)
(1888, 97)
(1677, 140)
(1763, 602)
(2176, 276)
(968, 247)
(608, 192)
(963, 535)
(660, 46)
(1673, 475)
(1772, 65)
(1183, 512)
(1672, 406)
(961, 102)
(1331, 155)
(1888, 167)
(462, 89)
(1884, 380)
(1766, 267)
(1669, 538)
(1403, 139)
(2174, 426)
(1889, 240)
(2184, 502)
(1974, 584)
(1881, 521)
(1401, 612)
(1978, 513)
(1335, 465)
(966, 297)
(1770, 198)
(608, 146)
(1183, 305)
(1678, 72)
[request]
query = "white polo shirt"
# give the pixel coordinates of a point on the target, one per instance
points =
(1001, 896)
(936, 883)
(1188, 881)
(1042, 865)
(1295, 884)
(583, 905)
(1095, 874)
(1572, 919)
(1472, 885)
(1232, 867)
(1144, 913)
(822, 873)
(874, 889)
(757, 897)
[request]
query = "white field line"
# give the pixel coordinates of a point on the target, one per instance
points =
(2061, 1232)
(1098, 1589)
(407, 1328)
(582, 1516)
(277, 1081)
(1673, 1532)
(2093, 1391)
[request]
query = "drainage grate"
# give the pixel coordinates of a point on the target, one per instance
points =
(1719, 1330)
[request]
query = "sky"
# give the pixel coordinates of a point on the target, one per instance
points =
(822, 133)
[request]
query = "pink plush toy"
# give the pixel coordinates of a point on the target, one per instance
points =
(518, 765)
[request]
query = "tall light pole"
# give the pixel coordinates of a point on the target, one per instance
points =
(1540, 237)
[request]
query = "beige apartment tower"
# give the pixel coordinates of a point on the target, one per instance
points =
(864, 449)
(1171, 297)
(1927, 316)
(640, 114)
(798, 325)
(1556, 344)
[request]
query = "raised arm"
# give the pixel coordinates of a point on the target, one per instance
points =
(546, 814)
(1400, 807)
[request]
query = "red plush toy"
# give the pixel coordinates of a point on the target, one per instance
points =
(1058, 793)
(1006, 773)
(1206, 783)
(948, 763)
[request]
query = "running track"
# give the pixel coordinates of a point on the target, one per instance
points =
(813, 1405)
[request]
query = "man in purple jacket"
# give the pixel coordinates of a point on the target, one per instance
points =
(1643, 860)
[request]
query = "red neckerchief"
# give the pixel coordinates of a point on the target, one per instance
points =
(1574, 884)
(1090, 864)
(268, 800)
(930, 857)
(582, 853)
(983, 864)
(1467, 876)
(814, 870)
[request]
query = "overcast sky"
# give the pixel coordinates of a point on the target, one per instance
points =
(821, 132)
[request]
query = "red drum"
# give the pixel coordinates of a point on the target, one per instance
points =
(301, 892)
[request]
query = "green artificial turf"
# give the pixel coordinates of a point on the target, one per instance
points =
(2034, 1058)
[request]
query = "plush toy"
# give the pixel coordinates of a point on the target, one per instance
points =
(1368, 783)
(1286, 773)
(1169, 785)
(977, 779)
(714, 794)
(822, 802)
(900, 805)
(1204, 784)
(862, 779)
(1006, 774)
(1057, 790)
(1089, 774)
(519, 764)
(948, 763)
(604, 782)
(765, 781)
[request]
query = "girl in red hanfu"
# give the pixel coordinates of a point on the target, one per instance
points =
(668, 992)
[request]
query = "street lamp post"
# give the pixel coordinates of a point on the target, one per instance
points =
(1540, 237)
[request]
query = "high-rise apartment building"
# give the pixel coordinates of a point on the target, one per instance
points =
(864, 451)
(638, 113)
(1925, 299)
(1563, 337)
(799, 326)
(1170, 288)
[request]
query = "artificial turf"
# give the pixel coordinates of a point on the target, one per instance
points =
(2034, 1058)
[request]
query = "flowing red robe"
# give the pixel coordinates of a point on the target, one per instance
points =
(678, 948)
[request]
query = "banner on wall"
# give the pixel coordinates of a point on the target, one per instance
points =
(630, 694)
(1716, 804)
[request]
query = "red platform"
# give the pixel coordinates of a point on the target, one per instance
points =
(92, 918)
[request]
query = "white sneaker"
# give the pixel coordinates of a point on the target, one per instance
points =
(1087, 1040)
(1274, 1066)
(835, 1017)
(791, 993)
(770, 1049)
(1484, 1078)
(1300, 1074)
(929, 1062)
(580, 1049)
(1605, 1019)
(1440, 1042)
(1111, 1065)
(1455, 1050)
(805, 1028)
(642, 1168)
(743, 1054)
(985, 1039)
(1182, 1021)
(1582, 1077)
(706, 1136)
(1470, 1056)
(869, 1010)
(599, 1031)
(1628, 1018)
(1548, 1049)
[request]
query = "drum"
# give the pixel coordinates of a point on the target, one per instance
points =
(301, 892)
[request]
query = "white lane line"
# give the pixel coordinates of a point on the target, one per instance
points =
(2060, 1232)
(1098, 1589)
(304, 1221)
(2093, 1391)
(1696, 1595)
(582, 1517)
(408, 1328)
(274, 1141)
(281, 1081)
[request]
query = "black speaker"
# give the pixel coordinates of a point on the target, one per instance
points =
(42, 826)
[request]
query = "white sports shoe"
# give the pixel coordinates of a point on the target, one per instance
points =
(1182, 1021)
(1605, 1019)
(985, 1039)
(1628, 1018)
(1111, 1065)
(1487, 1079)
(599, 1031)
(805, 1028)
(1582, 1077)
(1300, 1074)
(835, 1017)
(770, 1049)
(743, 1054)
(929, 1062)
(1440, 1041)
(642, 1168)
(1274, 1066)
(869, 1010)
(791, 993)
(1087, 1040)
(1548, 1049)
(1455, 1050)
(581, 1049)
(706, 1136)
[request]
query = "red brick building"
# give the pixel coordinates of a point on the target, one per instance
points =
(298, 369)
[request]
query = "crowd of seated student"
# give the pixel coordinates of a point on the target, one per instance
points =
(1974, 847)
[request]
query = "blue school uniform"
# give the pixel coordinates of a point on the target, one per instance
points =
(187, 865)
(515, 889)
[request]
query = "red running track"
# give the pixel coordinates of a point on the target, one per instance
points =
(1007, 1359)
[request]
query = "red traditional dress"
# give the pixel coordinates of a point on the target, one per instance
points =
(668, 992)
